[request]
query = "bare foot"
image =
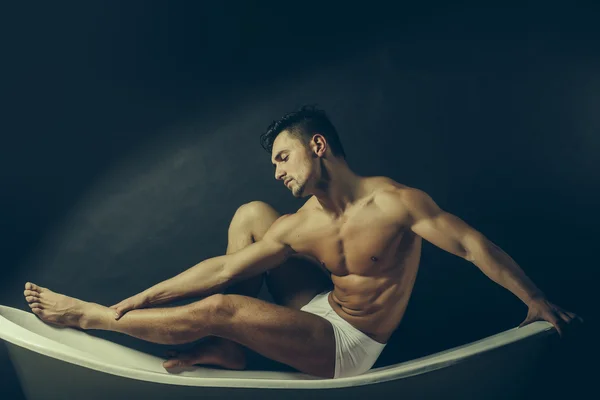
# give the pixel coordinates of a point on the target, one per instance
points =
(214, 351)
(59, 309)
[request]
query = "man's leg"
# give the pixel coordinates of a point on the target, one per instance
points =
(293, 284)
(296, 338)
(249, 224)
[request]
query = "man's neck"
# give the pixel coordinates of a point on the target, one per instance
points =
(341, 190)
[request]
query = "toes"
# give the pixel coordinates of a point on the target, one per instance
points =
(177, 362)
(30, 293)
(31, 286)
(32, 298)
(35, 305)
(37, 311)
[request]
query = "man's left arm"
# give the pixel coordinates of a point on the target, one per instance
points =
(452, 234)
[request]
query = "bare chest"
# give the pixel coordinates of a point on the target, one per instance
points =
(362, 242)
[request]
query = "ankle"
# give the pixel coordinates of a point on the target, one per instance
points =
(85, 321)
(93, 317)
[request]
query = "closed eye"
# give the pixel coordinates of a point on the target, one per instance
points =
(282, 160)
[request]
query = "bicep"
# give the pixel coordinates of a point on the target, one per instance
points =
(260, 256)
(445, 231)
(439, 227)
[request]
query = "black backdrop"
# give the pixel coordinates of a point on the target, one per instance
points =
(130, 136)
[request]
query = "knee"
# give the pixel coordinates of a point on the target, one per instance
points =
(219, 303)
(211, 308)
(252, 210)
(255, 216)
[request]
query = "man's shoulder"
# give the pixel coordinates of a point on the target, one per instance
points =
(396, 199)
(385, 189)
(384, 184)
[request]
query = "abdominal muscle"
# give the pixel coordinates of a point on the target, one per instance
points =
(374, 305)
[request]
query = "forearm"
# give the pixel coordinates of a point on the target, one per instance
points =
(502, 269)
(204, 278)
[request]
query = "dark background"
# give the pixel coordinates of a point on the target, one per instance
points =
(130, 135)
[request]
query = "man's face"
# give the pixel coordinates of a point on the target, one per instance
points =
(293, 164)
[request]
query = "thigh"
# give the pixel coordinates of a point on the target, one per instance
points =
(296, 338)
(295, 282)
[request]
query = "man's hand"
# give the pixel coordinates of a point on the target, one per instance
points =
(543, 310)
(134, 302)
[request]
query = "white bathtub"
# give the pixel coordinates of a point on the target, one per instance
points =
(64, 363)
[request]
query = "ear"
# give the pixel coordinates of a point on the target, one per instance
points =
(318, 144)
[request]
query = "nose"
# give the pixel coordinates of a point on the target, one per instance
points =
(279, 175)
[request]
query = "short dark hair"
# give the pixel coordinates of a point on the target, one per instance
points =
(303, 124)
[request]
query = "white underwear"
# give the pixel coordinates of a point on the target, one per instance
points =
(355, 352)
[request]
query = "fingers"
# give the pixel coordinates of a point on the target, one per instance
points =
(574, 316)
(559, 327)
(120, 308)
(120, 311)
(522, 324)
(569, 317)
(555, 318)
(559, 318)
(124, 306)
(529, 320)
(564, 322)
(562, 316)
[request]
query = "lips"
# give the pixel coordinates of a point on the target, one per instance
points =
(287, 182)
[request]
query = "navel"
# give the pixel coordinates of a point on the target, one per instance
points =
(374, 258)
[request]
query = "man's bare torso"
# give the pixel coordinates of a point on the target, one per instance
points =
(370, 253)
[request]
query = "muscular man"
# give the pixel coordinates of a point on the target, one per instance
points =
(364, 232)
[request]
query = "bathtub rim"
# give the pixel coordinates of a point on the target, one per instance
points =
(21, 337)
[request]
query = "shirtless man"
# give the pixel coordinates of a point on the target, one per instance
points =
(365, 232)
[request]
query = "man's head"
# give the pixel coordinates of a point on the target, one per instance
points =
(299, 143)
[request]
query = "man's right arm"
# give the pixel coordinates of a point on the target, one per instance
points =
(214, 274)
